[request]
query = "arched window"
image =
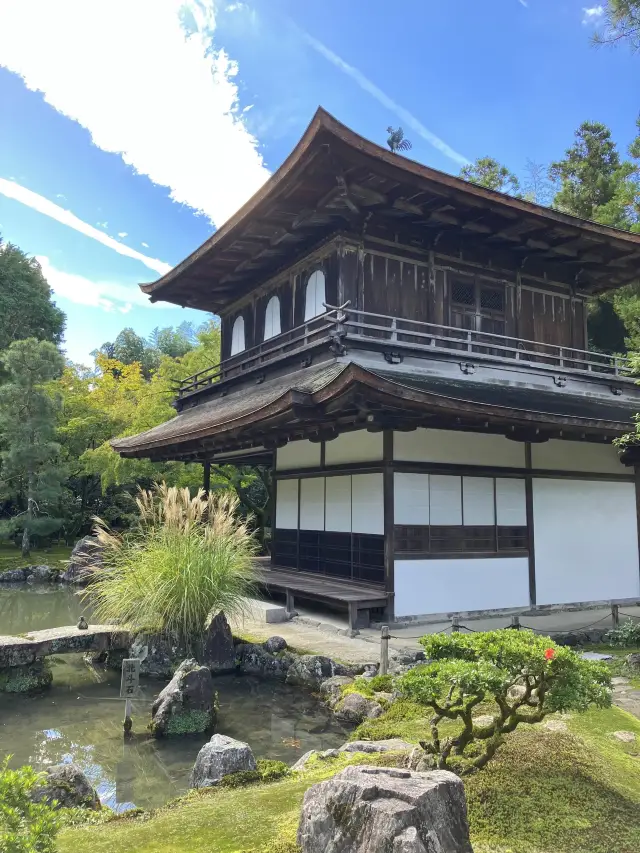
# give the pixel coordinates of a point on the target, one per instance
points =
(272, 318)
(237, 336)
(315, 296)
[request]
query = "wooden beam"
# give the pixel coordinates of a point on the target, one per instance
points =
(389, 520)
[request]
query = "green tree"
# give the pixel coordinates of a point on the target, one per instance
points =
(622, 24)
(26, 307)
(31, 469)
(518, 677)
(489, 173)
(25, 826)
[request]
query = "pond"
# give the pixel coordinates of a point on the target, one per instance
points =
(80, 717)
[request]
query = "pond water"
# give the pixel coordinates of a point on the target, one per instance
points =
(80, 718)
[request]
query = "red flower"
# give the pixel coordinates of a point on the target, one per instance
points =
(549, 653)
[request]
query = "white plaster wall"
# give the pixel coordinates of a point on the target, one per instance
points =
(411, 498)
(478, 502)
(338, 504)
(312, 503)
(445, 499)
(359, 446)
(460, 448)
(450, 586)
(287, 504)
(586, 541)
(367, 506)
(558, 455)
(298, 454)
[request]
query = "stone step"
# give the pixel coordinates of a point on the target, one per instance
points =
(268, 612)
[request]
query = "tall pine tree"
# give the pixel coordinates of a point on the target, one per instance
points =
(30, 473)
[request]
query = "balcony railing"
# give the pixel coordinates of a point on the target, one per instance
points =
(405, 336)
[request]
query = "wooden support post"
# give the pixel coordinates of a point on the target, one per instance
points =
(206, 477)
(384, 650)
(455, 624)
(127, 725)
(528, 486)
(515, 623)
(290, 604)
(389, 521)
(353, 617)
(615, 616)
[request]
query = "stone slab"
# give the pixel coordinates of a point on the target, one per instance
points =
(18, 651)
(268, 612)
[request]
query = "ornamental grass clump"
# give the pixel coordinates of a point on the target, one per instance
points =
(506, 678)
(186, 559)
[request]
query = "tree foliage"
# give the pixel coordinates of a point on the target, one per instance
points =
(523, 678)
(31, 469)
(622, 24)
(489, 173)
(26, 307)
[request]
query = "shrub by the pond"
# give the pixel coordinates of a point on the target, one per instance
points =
(626, 635)
(25, 826)
(186, 558)
(520, 677)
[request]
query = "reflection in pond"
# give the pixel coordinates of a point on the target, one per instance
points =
(80, 717)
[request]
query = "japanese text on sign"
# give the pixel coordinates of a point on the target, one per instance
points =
(130, 678)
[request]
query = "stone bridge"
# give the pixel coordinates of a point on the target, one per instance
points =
(22, 658)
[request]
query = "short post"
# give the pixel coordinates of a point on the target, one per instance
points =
(128, 689)
(455, 624)
(515, 623)
(384, 650)
(615, 616)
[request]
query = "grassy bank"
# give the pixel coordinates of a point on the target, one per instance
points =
(11, 558)
(573, 791)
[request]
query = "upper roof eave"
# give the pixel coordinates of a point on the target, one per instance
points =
(324, 122)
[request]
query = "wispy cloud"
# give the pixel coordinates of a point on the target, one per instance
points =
(11, 189)
(403, 114)
(523, 3)
(592, 14)
(146, 80)
(108, 295)
(122, 234)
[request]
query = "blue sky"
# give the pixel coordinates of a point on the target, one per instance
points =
(131, 129)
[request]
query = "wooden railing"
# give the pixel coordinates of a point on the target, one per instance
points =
(431, 337)
(406, 337)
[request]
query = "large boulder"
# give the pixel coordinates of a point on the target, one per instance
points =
(311, 670)
(355, 708)
(633, 661)
(219, 758)
(85, 559)
(383, 810)
(29, 678)
(187, 703)
(42, 574)
(68, 786)
(158, 655)
(256, 660)
(218, 652)
(275, 644)
(394, 744)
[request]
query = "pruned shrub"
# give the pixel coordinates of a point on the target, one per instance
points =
(25, 826)
(626, 635)
(516, 676)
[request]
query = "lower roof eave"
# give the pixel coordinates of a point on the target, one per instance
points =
(394, 401)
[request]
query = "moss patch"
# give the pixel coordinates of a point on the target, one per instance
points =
(31, 678)
(54, 557)
(190, 722)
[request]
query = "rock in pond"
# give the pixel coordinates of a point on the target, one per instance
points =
(394, 744)
(218, 652)
(30, 678)
(68, 785)
(187, 703)
(13, 576)
(312, 670)
(275, 644)
(219, 758)
(331, 689)
(355, 708)
(86, 558)
(42, 574)
(383, 810)
(256, 660)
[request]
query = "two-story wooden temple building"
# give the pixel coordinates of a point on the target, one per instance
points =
(409, 351)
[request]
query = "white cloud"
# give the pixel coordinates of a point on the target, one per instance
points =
(407, 118)
(146, 245)
(523, 3)
(122, 233)
(42, 205)
(590, 15)
(108, 295)
(146, 85)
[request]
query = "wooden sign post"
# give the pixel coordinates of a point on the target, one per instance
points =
(129, 688)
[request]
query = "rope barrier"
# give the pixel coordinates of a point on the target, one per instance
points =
(629, 615)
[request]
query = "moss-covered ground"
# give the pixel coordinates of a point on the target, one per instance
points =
(11, 558)
(573, 791)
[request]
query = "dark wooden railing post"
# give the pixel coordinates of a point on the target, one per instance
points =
(206, 477)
